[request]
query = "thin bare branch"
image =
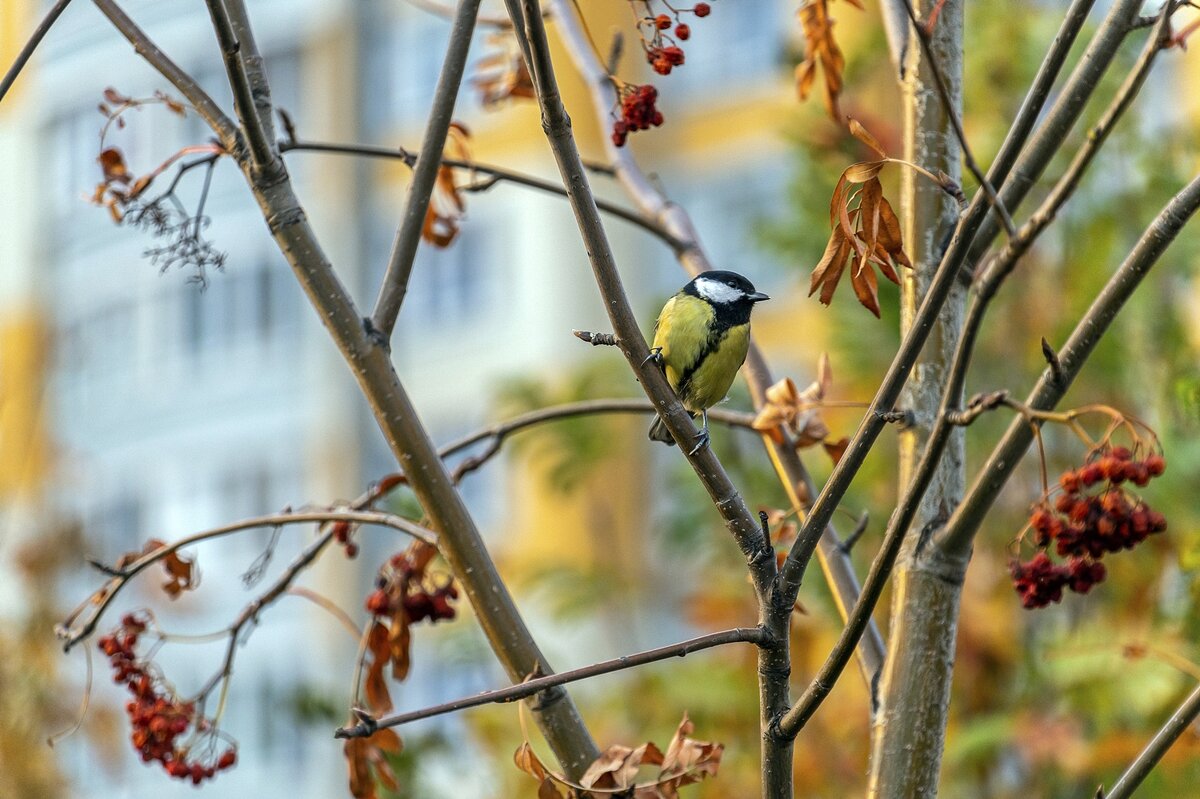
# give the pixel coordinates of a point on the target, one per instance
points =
(1180, 720)
(408, 236)
(958, 533)
(72, 634)
(205, 106)
(749, 635)
(31, 44)
(1047, 140)
(262, 154)
(949, 106)
(774, 660)
(498, 433)
(501, 173)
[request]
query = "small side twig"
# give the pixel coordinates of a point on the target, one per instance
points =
(948, 105)
(367, 724)
(262, 155)
(31, 44)
(1180, 720)
(408, 236)
(596, 339)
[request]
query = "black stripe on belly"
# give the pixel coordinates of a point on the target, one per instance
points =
(716, 334)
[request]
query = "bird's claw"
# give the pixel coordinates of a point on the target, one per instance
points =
(655, 356)
(701, 442)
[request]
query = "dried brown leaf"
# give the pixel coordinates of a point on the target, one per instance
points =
(863, 135)
(399, 644)
(447, 205)
(379, 698)
(366, 762)
(502, 75)
(820, 49)
(835, 449)
(828, 270)
(115, 97)
(866, 285)
(863, 171)
(112, 163)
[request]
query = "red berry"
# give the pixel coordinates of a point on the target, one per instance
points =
(377, 603)
(702, 9)
(682, 31)
(227, 759)
(1155, 465)
(662, 22)
(352, 550)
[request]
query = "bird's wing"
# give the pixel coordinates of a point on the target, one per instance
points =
(681, 332)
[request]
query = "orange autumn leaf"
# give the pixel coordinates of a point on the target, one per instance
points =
(797, 411)
(502, 75)
(447, 205)
(820, 50)
(365, 758)
(865, 232)
(182, 574)
(379, 699)
(614, 772)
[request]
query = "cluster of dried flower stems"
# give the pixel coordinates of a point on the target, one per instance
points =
(1023, 157)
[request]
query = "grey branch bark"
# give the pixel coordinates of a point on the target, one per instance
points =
(459, 538)
(1180, 720)
(31, 44)
(774, 658)
(960, 530)
(408, 237)
(908, 735)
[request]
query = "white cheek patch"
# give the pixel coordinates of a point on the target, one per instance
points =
(717, 292)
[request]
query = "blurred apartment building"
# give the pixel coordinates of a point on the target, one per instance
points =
(142, 407)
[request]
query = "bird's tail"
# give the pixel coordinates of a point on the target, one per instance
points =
(659, 432)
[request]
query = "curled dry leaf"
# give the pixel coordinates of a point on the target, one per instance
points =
(614, 772)
(820, 50)
(501, 75)
(446, 203)
(865, 233)
(798, 411)
(182, 574)
(863, 135)
(367, 763)
(379, 699)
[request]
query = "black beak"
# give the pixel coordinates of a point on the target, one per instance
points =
(757, 296)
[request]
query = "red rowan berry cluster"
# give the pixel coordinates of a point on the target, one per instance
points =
(341, 534)
(158, 716)
(637, 112)
(660, 36)
(403, 583)
(1093, 516)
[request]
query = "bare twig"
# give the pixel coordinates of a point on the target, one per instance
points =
(750, 635)
(948, 105)
(1175, 726)
(408, 236)
(1047, 140)
(250, 613)
(496, 434)
(506, 175)
(262, 154)
(961, 528)
(206, 107)
(72, 634)
(31, 44)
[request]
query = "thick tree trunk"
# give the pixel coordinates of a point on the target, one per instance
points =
(914, 690)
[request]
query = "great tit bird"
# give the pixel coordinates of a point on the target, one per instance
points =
(701, 339)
